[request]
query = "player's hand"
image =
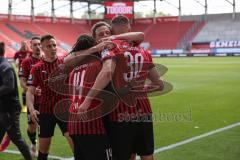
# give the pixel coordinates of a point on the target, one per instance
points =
(82, 111)
(84, 107)
(34, 116)
(38, 91)
(104, 45)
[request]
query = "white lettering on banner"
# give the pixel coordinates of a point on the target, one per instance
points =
(200, 51)
(224, 44)
(119, 9)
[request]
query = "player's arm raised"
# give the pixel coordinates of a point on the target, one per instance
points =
(137, 37)
(76, 58)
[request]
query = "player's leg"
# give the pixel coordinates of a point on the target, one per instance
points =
(16, 137)
(4, 138)
(44, 147)
(92, 147)
(3, 126)
(5, 141)
(77, 152)
(46, 131)
(31, 132)
(64, 129)
(144, 144)
(121, 137)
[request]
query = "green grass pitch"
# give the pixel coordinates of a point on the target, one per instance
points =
(205, 97)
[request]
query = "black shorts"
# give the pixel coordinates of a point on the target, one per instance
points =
(47, 123)
(91, 147)
(24, 98)
(130, 137)
(29, 119)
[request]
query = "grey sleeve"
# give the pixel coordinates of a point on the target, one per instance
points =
(7, 85)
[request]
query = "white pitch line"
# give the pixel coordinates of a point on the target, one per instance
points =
(162, 148)
(50, 156)
(194, 138)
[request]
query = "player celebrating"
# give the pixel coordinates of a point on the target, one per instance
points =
(89, 138)
(101, 31)
(123, 65)
(45, 117)
(24, 73)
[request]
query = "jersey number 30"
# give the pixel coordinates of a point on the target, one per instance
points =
(135, 64)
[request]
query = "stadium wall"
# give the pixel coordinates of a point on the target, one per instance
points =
(211, 17)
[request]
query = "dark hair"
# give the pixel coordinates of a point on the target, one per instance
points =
(35, 37)
(84, 41)
(97, 25)
(2, 48)
(120, 20)
(47, 37)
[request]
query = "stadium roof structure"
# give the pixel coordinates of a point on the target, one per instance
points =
(101, 2)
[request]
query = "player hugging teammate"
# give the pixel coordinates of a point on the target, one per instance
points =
(104, 80)
(116, 66)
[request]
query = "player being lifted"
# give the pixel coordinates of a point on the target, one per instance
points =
(24, 73)
(124, 64)
(45, 117)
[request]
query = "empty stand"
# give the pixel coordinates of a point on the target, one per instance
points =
(67, 33)
(219, 30)
(162, 35)
(166, 35)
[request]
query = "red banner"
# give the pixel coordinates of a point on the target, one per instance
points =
(117, 8)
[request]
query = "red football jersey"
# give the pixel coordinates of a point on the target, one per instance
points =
(21, 56)
(24, 71)
(132, 66)
(81, 80)
(39, 76)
